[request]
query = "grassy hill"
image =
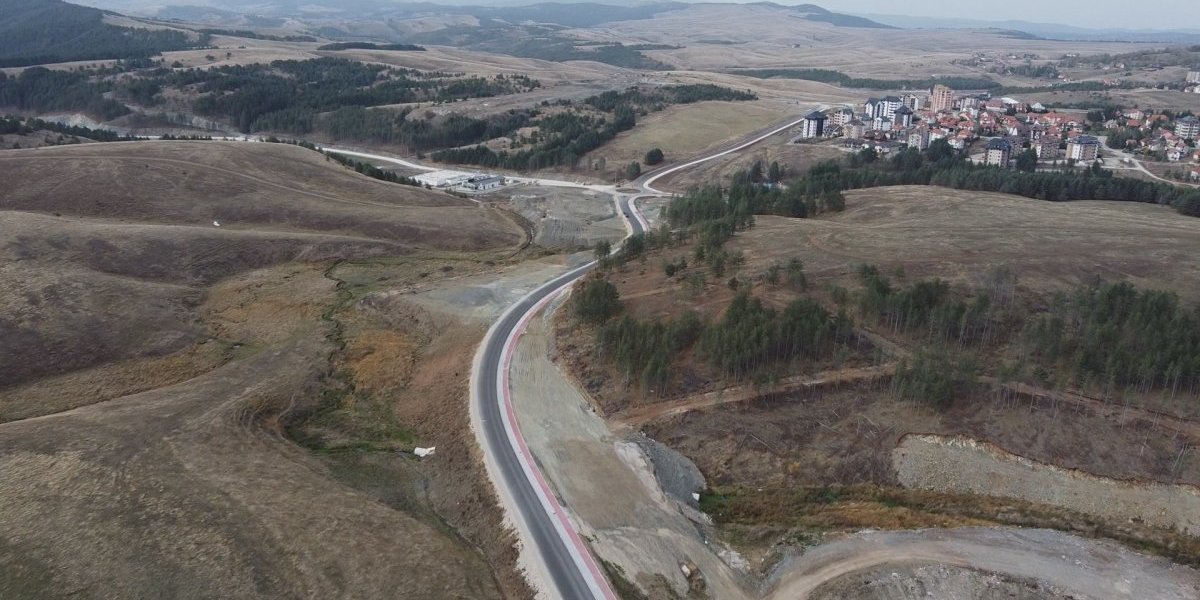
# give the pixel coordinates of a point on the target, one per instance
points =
(47, 31)
(175, 354)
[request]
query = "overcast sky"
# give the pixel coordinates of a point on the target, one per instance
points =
(1143, 14)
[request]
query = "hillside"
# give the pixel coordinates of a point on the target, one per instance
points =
(48, 31)
(176, 315)
(791, 360)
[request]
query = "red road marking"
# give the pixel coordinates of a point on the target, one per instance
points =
(523, 448)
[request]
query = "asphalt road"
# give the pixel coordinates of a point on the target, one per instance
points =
(563, 558)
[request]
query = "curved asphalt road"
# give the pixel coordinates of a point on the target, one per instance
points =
(568, 562)
(564, 560)
(538, 513)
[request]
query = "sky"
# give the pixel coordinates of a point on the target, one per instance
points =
(1102, 14)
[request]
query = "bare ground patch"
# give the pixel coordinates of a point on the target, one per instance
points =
(964, 465)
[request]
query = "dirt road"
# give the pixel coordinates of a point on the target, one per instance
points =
(1088, 568)
(642, 414)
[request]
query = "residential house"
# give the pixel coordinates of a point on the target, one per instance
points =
(903, 117)
(1193, 77)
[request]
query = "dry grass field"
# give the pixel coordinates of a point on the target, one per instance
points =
(155, 364)
(1146, 99)
(794, 158)
(685, 131)
(766, 36)
(958, 236)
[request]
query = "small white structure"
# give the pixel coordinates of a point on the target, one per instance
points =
(481, 183)
(442, 179)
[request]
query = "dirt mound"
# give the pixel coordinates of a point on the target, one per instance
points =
(939, 582)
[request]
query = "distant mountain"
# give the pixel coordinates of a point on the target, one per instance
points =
(45, 31)
(565, 13)
(1053, 31)
(821, 15)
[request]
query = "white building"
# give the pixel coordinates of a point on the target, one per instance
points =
(481, 183)
(814, 125)
(855, 129)
(941, 98)
(914, 101)
(1193, 77)
(1047, 147)
(889, 105)
(1084, 148)
(841, 116)
(999, 152)
(918, 138)
(1188, 128)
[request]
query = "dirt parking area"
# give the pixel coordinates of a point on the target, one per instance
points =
(565, 218)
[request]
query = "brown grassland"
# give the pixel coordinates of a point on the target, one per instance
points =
(157, 365)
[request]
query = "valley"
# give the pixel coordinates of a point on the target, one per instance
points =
(557, 301)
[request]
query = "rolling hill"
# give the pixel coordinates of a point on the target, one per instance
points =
(47, 31)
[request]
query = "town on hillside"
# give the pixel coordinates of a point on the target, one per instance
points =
(1008, 133)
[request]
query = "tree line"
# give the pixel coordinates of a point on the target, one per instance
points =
(371, 46)
(38, 89)
(1108, 335)
(287, 95)
(839, 78)
(744, 198)
(939, 165)
(1113, 335)
(245, 33)
(26, 126)
(750, 340)
(35, 32)
(563, 137)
